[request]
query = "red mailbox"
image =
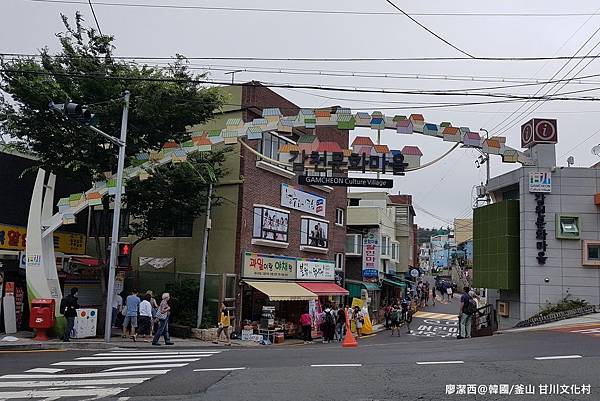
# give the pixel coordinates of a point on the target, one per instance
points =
(41, 317)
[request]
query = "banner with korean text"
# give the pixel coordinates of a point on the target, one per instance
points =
(371, 255)
(315, 270)
(296, 198)
(258, 265)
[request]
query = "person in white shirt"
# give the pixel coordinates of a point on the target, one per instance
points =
(116, 307)
(145, 316)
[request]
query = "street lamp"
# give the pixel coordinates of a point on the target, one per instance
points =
(83, 115)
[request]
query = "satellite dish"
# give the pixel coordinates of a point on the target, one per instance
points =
(596, 150)
(570, 161)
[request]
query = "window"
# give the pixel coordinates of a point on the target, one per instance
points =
(270, 144)
(354, 244)
(270, 224)
(591, 253)
(395, 249)
(339, 216)
(182, 229)
(353, 202)
(402, 215)
(314, 232)
(101, 223)
(339, 261)
(567, 226)
(385, 246)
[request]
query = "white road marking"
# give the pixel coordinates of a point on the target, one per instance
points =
(340, 365)
(154, 352)
(439, 362)
(166, 365)
(97, 362)
(217, 369)
(74, 383)
(544, 358)
(83, 375)
(96, 392)
(43, 370)
(135, 358)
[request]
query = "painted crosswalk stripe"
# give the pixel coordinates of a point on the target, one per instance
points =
(73, 383)
(145, 357)
(97, 362)
(439, 316)
(338, 365)
(166, 365)
(94, 392)
(544, 358)
(88, 375)
(168, 352)
(217, 369)
(155, 353)
(44, 370)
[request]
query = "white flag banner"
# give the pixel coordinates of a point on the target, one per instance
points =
(157, 263)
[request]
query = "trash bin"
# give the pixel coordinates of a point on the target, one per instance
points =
(85, 323)
(41, 317)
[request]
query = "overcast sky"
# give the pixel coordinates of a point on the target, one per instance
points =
(445, 188)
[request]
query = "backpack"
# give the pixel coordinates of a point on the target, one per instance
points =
(470, 308)
(329, 318)
(62, 307)
(396, 314)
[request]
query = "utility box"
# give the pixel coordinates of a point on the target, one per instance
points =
(41, 317)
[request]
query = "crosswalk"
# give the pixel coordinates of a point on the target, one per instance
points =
(436, 316)
(100, 375)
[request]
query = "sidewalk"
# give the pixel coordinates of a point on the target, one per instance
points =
(591, 319)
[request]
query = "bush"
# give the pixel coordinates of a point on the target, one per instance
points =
(564, 305)
(184, 303)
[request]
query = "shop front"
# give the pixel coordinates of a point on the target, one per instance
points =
(278, 289)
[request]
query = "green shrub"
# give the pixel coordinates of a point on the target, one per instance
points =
(565, 304)
(184, 303)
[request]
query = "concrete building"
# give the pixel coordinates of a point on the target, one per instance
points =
(539, 241)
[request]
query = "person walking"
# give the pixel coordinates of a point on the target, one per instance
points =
(328, 325)
(340, 325)
(359, 319)
(116, 308)
(164, 311)
(387, 312)
(465, 314)
(131, 316)
(306, 324)
(68, 308)
(433, 295)
(396, 319)
(224, 324)
(145, 317)
(406, 315)
(154, 305)
(449, 292)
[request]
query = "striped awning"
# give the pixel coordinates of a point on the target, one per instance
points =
(279, 291)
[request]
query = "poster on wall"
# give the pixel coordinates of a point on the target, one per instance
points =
(315, 270)
(298, 199)
(258, 265)
(371, 255)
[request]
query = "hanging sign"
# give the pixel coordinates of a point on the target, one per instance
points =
(371, 252)
(315, 270)
(345, 181)
(257, 265)
(13, 238)
(296, 198)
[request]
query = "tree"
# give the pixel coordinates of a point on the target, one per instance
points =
(86, 72)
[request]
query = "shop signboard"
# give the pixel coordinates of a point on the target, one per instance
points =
(345, 181)
(540, 182)
(258, 265)
(13, 238)
(298, 199)
(371, 252)
(315, 270)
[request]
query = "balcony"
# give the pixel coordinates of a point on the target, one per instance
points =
(365, 215)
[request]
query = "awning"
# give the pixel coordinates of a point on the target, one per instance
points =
(325, 288)
(395, 283)
(278, 291)
(371, 286)
(87, 261)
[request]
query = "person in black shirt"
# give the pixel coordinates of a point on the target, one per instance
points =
(68, 308)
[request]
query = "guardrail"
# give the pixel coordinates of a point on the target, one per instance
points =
(485, 322)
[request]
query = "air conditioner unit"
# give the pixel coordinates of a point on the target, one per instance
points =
(503, 308)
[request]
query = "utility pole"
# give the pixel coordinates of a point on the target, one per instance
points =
(233, 75)
(487, 171)
(116, 220)
(207, 224)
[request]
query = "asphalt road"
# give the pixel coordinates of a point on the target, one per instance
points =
(409, 367)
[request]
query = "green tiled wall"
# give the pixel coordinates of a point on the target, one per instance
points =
(496, 246)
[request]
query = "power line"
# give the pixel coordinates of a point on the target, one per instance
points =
(340, 59)
(580, 143)
(332, 12)
(95, 19)
(304, 86)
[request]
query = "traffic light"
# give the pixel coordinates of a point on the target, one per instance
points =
(124, 255)
(75, 111)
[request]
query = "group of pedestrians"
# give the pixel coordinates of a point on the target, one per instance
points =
(333, 322)
(143, 316)
(400, 314)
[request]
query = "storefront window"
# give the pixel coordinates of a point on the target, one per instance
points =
(270, 224)
(314, 233)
